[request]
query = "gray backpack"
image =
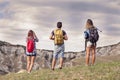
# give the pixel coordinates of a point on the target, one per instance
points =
(93, 35)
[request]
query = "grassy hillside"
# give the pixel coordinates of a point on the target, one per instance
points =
(104, 69)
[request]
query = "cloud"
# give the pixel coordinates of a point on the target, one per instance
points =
(18, 16)
(3, 4)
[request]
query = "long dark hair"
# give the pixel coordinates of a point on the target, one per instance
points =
(30, 33)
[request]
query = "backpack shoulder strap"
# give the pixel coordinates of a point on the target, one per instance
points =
(56, 30)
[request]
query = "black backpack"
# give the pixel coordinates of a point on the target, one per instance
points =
(93, 35)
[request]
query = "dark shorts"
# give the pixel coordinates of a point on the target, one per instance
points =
(31, 53)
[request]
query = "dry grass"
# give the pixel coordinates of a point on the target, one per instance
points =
(106, 68)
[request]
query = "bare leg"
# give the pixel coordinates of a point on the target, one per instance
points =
(32, 62)
(53, 63)
(61, 63)
(87, 55)
(28, 62)
(93, 55)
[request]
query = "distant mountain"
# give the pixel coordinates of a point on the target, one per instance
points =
(13, 58)
(109, 50)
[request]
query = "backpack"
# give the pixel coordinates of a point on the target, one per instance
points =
(93, 35)
(30, 45)
(58, 34)
(86, 35)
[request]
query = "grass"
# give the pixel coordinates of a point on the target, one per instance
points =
(107, 70)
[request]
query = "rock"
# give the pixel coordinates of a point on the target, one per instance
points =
(3, 72)
(22, 71)
(4, 69)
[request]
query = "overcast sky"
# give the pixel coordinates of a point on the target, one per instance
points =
(17, 17)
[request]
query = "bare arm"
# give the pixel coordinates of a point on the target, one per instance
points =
(35, 37)
(51, 37)
(65, 37)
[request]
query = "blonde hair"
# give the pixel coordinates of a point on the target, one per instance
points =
(89, 24)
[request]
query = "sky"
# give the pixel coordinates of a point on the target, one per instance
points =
(17, 17)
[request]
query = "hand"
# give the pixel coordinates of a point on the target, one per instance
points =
(34, 34)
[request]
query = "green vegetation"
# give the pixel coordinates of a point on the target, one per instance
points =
(100, 71)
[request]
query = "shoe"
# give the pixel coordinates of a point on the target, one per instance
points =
(53, 69)
(60, 67)
(28, 72)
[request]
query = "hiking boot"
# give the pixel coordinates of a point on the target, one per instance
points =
(60, 67)
(53, 69)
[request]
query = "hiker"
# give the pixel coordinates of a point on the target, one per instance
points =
(58, 35)
(31, 49)
(91, 38)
